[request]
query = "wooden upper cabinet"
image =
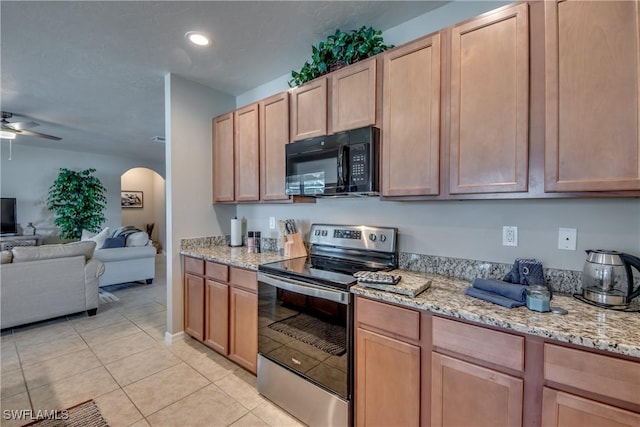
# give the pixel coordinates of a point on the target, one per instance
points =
(411, 119)
(223, 175)
(274, 136)
(354, 96)
(490, 103)
(309, 110)
(246, 153)
(592, 115)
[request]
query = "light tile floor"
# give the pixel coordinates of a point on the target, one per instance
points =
(119, 359)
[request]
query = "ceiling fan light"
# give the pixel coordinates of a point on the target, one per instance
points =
(7, 135)
(197, 38)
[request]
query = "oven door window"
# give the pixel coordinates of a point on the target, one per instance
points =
(307, 335)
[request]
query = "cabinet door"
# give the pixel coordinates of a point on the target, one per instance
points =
(194, 306)
(247, 151)
(216, 331)
(309, 110)
(463, 394)
(411, 119)
(490, 103)
(243, 331)
(223, 175)
(274, 136)
(353, 94)
(387, 381)
(566, 410)
(592, 71)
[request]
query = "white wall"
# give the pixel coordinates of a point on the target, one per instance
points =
(189, 108)
(159, 232)
(32, 170)
(473, 229)
(152, 186)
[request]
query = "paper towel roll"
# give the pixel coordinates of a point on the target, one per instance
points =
(236, 232)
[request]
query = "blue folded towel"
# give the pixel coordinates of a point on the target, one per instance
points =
(491, 297)
(505, 289)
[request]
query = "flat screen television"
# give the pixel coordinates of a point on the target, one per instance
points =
(8, 215)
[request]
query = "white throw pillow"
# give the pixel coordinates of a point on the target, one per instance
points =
(140, 238)
(98, 238)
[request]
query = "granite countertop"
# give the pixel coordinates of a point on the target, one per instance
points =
(585, 325)
(237, 257)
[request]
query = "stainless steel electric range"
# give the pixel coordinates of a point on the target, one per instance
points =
(305, 321)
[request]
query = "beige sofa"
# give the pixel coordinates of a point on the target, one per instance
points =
(133, 262)
(43, 282)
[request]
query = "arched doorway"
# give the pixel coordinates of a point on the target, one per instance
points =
(143, 203)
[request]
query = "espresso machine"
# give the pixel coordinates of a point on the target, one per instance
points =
(607, 278)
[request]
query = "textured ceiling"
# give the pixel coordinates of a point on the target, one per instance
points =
(92, 72)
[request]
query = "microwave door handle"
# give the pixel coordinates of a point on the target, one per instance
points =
(342, 166)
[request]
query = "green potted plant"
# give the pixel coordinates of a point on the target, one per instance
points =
(339, 49)
(78, 200)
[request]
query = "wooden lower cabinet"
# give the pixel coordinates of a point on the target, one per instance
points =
(194, 305)
(464, 394)
(387, 381)
(216, 331)
(243, 331)
(560, 409)
(222, 313)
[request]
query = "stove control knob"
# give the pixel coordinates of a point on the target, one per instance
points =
(324, 232)
(372, 237)
(317, 232)
(383, 238)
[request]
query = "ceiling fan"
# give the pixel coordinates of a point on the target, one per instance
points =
(21, 128)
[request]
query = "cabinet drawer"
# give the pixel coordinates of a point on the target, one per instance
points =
(194, 266)
(245, 279)
(484, 344)
(388, 318)
(595, 373)
(219, 272)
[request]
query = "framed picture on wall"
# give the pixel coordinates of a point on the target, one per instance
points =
(131, 199)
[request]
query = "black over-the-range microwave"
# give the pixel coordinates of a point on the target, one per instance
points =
(342, 164)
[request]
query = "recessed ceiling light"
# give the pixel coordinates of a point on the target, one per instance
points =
(197, 38)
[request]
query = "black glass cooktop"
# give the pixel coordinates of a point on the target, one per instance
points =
(301, 269)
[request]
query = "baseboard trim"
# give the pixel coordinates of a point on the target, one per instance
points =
(170, 338)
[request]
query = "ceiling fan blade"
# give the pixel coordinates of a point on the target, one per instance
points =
(23, 125)
(10, 129)
(38, 134)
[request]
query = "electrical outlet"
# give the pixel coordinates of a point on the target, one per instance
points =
(510, 235)
(272, 222)
(567, 238)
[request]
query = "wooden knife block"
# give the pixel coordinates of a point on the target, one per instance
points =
(294, 246)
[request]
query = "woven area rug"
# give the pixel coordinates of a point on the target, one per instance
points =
(322, 335)
(84, 414)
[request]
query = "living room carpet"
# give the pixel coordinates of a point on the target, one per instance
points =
(86, 414)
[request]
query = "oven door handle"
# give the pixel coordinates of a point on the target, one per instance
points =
(306, 289)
